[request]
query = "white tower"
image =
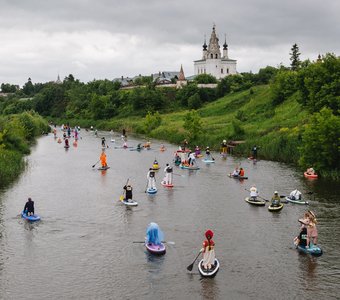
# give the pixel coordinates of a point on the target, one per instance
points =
(212, 62)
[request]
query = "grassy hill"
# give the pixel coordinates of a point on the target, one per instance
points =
(247, 115)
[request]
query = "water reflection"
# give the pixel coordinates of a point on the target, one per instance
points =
(209, 288)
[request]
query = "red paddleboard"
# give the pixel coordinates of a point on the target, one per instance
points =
(167, 185)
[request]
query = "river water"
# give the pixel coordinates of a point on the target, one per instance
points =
(83, 246)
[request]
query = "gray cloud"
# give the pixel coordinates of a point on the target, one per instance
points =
(107, 39)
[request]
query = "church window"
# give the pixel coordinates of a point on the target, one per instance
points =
(212, 55)
(216, 56)
(221, 71)
(227, 71)
(204, 71)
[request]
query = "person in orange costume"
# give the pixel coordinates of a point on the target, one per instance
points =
(103, 159)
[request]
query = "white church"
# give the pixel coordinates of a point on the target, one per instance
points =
(213, 62)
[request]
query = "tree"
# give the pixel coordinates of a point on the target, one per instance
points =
(295, 58)
(266, 74)
(28, 88)
(205, 78)
(283, 86)
(193, 124)
(321, 142)
(319, 84)
(152, 121)
(8, 88)
(194, 101)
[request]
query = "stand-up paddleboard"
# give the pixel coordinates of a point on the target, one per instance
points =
(130, 202)
(256, 202)
(151, 190)
(155, 249)
(208, 161)
(103, 168)
(237, 177)
(163, 183)
(189, 167)
(32, 218)
(209, 272)
(296, 201)
(275, 208)
(313, 250)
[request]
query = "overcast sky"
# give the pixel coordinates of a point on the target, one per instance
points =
(110, 38)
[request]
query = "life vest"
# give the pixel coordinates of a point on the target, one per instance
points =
(169, 169)
(152, 174)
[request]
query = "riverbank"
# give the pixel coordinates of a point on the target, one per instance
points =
(248, 115)
(17, 134)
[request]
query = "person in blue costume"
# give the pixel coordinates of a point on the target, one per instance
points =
(29, 207)
(153, 234)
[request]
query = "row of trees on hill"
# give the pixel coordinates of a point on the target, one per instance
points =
(103, 99)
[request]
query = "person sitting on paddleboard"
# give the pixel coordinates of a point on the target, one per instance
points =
(275, 201)
(64, 135)
(312, 232)
(168, 174)
(103, 159)
(253, 192)
(310, 171)
(295, 195)
(66, 143)
(197, 151)
(208, 250)
(236, 172)
(241, 173)
(154, 234)
(128, 192)
(69, 131)
(224, 146)
(139, 146)
(147, 145)
(151, 179)
(29, 207)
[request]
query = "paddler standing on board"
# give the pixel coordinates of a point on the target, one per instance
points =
(208, 250)
(103, 159)
(224, 147)
(151, 179)
(168, 174)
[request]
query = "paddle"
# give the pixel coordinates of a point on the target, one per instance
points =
(95, 163)
(178, 174)
(189, 268)
(146, 186)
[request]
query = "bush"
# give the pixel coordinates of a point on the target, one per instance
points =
(321, 142)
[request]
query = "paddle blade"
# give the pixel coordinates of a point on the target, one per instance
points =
(121, 198)
(189, 268)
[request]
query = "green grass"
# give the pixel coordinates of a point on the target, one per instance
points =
(239, 116)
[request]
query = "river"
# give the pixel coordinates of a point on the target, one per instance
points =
(83, 246)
